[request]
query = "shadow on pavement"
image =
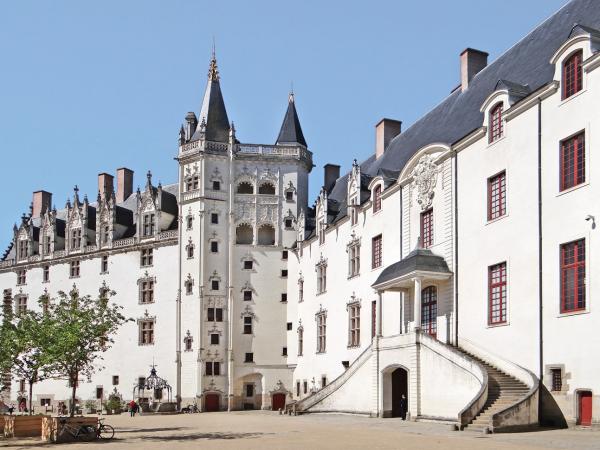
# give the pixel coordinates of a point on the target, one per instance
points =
(206, 436)
(147, 430)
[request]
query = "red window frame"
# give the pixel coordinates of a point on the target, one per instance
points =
(572, 161)
(496, 124)
(377, 198)
(429, 310)
(427, 228)
(376, 251)
(572, 276)
(497, 294)
(497, 196)
(572, 75)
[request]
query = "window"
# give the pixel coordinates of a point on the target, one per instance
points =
(297, 388)
(214, 218)
(353, 212)
(147, 291)
(190, 250)
(373, 318)
(244, 234)
(213, 368)
(214, 285)
(245, 188)
(115, 380)
(141, 381)
(76, 239)
(556, 380)
(189, 286)
(146, 328)
(377, 198)
(284, 298)
(22, 385)
(214, 339)
(214, 314)
(305, 386)
(99, 393)
(74, 269)
(46, 274)
(45, 402)
(284, 351)
(104, 264)
(187, 342)
(249, 388)
(300, 290)
(321, 332)
(249, 357)
(248, 265)
(572, 75)
(353, 260)
(429, 310)
(321, 231)
(267, 189)
(323, 381)
(497, 293)
(148, 221)
(21, 276)
(376, 252)
(288, 223)
(321, 278)
(284, 255)
(190, 222)
(247, 296)
(289, 196)
(354, 325)
(146, 257)
(300, 341)
(20, 304)
(216, 185)
(284, 273)
(427, 228)
(47, 245)
(496, 123)
(572, 276)
(214, 247)
(247, 325)
(497, 196)
(266, 235)
(23, 247)
(105, 237)
(572, 161)
(289, 326)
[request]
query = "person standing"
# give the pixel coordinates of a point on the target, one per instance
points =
(132, 408)
(403, 407)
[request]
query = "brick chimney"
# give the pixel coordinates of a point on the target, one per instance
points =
(471, 63)
(105, 185)
(42, 202)
(331, 174)
(124, 184)
(385, 131)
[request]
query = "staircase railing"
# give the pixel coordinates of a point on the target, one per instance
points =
(310, 401)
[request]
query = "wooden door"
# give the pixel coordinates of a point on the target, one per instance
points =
(278, 402)
(585, 408)
(211, 402)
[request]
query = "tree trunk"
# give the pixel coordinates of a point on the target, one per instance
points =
(31, 396)
(73, 393)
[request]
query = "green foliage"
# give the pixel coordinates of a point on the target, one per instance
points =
(7, 350)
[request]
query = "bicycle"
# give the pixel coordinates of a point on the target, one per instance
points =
(104, 431)
(81, 432)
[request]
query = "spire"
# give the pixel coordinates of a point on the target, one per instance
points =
(213, 112)
(291, 131)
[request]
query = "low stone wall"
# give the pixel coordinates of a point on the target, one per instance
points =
(51, 427)
(23, 426)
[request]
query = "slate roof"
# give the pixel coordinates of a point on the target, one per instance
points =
(291, 131)
(420, 259)
(526, 64)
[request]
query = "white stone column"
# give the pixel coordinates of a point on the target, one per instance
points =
(417, 306)
(379, 314)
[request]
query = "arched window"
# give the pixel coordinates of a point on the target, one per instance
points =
(377, 198)
(496, 125)
(266, 235)
(429, 310)
(244, 234)
(266, 188)
(245, 187)
(572, 75)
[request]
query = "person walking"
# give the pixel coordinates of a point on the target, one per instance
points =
(132, 408)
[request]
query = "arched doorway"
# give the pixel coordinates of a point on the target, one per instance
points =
(212, 402)
(399, 389)
(429, 310)
(278, 401)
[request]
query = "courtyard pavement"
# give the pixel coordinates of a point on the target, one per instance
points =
(268, 430)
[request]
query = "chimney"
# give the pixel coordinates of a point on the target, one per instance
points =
(471, 63)
(42, 202)
(385, 131)
(105, 185)
(332, 173)
(124, 184)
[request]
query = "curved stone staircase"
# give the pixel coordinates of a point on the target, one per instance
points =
(504, 391)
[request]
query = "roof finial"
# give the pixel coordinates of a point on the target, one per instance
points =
(291, 97)
(149, 180)
(213, 70)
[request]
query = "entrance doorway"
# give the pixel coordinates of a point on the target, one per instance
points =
(585, 408)
(278, 402)
(399, 388)
(211, 402)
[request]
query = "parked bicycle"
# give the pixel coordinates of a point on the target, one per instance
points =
(190, 409)
(105, 431)
(78, 432)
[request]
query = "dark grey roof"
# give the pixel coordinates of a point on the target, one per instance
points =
(420, 259)
(291, 131)
(527, 63)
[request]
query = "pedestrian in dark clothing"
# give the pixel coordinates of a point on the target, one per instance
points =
(403, 407)
(132, 408)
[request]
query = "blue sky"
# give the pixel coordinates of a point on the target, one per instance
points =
(87, 87)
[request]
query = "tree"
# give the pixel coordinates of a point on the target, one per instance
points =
(7, 353)
(81, 331)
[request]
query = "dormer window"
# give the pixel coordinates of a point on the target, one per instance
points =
(245, 188)
(377, 198)
(496, 124)
(23, 248)
(192, 183)
(76, 239)
(148, 229)
(105, 234)
(266, 189)
(572, 75)
(47, 245)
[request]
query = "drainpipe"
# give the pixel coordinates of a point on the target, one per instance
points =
(178, 300)
(201, 256)
(455, 249)
(229, 277)
(401, 256)
(540, 267)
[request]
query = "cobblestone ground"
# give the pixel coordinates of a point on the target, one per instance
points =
(267, 430)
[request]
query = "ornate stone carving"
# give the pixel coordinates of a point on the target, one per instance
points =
(425, 179)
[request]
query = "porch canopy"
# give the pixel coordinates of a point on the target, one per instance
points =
(420, 264)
